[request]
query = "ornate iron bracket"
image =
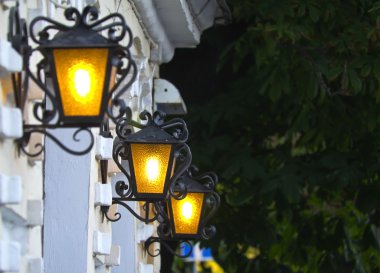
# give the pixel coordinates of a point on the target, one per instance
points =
(166, 244)
(122, 202)
(31, 129)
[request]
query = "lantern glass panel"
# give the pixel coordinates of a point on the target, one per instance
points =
(81, 74)
(150, 163)
(187, 213)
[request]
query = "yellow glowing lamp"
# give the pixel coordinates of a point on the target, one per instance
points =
(151, 162)
(187, 214)
(81, 65)
(81, 81)
(157, 155)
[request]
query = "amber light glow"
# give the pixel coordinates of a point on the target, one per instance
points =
(187, 213)
(81, 74)
(150, 163)
(152, 169)
(82, 82)
(187, 210)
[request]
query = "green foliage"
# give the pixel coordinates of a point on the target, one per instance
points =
(294, 135)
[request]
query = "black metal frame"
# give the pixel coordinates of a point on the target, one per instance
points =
(105, 132)
(204, 183)
(172, 220)
(166, 244)
(211, 202)
(146, 207)
(70, 37)
(31, 129)
(83, 33)
(173, 132)
(155, 131)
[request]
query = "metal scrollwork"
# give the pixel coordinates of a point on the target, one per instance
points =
(114, 23)
(127, 71)
(165, 243)
(48, 111)
(120, 56)
(28, 131)
(175, 127)
(183, 160)
(122, 202)
(213, 203)
(123, 189)
(116, 217)
(208, 232)
(212, 200)
(164, 228)
(208, 179)
(120, 152)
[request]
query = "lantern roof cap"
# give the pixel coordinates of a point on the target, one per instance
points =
(153, 135)
(191, 185)
(79, 37)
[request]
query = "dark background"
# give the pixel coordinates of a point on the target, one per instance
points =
(284, 105)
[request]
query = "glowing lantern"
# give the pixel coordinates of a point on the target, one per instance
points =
(82, 82)
(81, 65)
(151, 154)
(187, 215)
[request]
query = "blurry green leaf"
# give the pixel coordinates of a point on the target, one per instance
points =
(333, 161)
(355, 81)
(366, 70)
(314, 13)
(289, 186)
(290, 122)
(242, 196)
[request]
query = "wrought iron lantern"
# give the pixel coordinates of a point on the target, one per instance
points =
(157, 155)
(182, 203)
(186, 218)
(186, 214)
(82, 64)
(83, 73)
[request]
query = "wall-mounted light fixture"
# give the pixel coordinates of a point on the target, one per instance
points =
(83, 75)
(152, 159)
(186, 219)
(80, 73)
(157, 156)
(188, 215)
